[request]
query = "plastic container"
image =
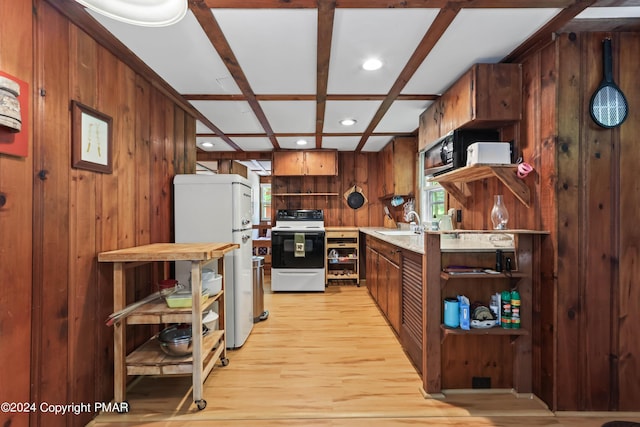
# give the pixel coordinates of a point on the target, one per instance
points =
(505, 318)
(515, 309)
(451, 312)
(182, 299)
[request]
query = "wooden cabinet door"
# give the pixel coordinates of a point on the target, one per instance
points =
(490, 94)
(383, 283)
(405, 151)
(386, 167)
(372, 272)
(429, 126)
(288, 163)
(394, 295)
(321, 163)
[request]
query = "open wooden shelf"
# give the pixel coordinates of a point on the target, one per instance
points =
(505, 173)
(496, 330)
(304, 194)
(157, 312)
(149, 359)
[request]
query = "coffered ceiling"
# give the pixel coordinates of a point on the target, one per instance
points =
(263, 74)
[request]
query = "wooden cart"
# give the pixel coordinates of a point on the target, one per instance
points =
(149, 359)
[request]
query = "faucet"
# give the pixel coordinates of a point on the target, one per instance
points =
(419, 228)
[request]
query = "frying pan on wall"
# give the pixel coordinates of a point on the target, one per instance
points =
(354, 197)
(608, 106)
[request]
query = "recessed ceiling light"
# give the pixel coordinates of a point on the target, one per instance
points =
(301, 142)
(372, 64)
(348, 122)
(207, 144)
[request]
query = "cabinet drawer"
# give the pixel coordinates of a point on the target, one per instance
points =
(391, 252)
(336, 234)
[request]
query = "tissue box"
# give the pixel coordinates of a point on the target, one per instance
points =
(489, 153)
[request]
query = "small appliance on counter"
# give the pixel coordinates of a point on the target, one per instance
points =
(489, 153)
(450, 151)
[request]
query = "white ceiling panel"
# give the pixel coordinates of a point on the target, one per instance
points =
(361, 111)
(289, 142)
(609, 13)
(277, 50)
(290, 116)
(403, 116)
(253, 143)
(230, 116)
(218, 144)
(475, 36)
(341, 143)
(390, 35)
(181, 54)
(376, 143)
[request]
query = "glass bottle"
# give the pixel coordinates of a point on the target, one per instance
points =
(499, 213)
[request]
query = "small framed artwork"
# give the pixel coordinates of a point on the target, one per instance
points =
(91, 139)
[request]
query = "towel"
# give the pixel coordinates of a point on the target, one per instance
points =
(299, 244)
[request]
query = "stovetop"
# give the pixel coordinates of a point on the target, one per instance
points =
(299, 219)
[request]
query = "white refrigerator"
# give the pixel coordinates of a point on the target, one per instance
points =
(217, 208)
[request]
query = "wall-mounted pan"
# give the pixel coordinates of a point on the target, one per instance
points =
(354, 197)
(608, 106)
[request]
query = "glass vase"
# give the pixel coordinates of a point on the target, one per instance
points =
(499, 213)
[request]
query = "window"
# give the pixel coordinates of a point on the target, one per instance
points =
(432, 200)
(265, 202)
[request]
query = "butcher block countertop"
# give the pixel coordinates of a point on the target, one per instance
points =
(169, 252)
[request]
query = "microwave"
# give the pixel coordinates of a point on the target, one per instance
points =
(450, 151)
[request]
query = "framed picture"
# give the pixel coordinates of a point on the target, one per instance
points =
(91, 139)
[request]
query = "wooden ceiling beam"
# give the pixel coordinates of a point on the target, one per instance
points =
(219, 42)
(431, 37)
(326, 12)
(544, 35)
(378, 97)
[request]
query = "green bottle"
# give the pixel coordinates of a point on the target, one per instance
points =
(515, 309)
(505, 302)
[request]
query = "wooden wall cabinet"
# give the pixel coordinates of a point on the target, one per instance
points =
(486, 96)
(398, 166)
(307, 162)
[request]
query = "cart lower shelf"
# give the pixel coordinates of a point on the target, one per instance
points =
(149, 359)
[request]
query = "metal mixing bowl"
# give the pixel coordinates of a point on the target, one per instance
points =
(176, 340)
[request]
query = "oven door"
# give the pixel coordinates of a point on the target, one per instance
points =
(284, 254)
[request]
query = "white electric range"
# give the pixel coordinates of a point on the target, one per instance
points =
(298, 251)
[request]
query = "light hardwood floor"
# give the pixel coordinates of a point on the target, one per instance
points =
(327, 359)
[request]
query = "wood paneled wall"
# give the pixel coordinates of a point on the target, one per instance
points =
(62, 352)
(361, 169)
(585, 193)
(16, 181)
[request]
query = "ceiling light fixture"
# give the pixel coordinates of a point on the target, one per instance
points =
(207, 144)
(148, 13)
(348, 122)
(372, 64)
(301, 142)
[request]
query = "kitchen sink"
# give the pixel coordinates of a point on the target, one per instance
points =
(398, 233)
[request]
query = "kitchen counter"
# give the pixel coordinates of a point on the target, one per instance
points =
(460, 240)
(414, 242)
